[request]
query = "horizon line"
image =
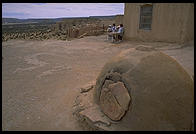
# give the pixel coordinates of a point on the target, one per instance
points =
(61, 17)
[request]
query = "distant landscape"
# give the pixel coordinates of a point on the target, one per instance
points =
(58, 28)
(15, 20)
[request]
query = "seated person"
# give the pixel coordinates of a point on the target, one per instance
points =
(114, 30)
(109, 30)
(121, 32)
(115, 34)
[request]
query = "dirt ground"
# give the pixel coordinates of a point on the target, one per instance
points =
(40, 79)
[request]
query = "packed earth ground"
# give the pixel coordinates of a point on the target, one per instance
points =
(41, 79)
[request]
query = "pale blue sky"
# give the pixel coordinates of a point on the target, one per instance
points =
(57, 10)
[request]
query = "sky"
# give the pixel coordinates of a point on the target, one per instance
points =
(58, 10)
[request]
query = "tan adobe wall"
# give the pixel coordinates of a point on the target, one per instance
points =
(189, 34)
(171, 22)
(119, 19)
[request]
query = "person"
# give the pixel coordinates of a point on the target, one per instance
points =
(114, 28)
(109, 30)
(120, 32)
(113, 31)
(117, 28)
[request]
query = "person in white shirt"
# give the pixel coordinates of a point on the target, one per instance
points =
(109, 30)
(121, 32)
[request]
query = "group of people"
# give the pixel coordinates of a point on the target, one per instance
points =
(115, 32)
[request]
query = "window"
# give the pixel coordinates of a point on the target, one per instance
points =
(145, 17)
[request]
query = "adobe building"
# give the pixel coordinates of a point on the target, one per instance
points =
(167, 22)
(119, 19)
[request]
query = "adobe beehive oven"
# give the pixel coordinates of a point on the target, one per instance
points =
(140, 90)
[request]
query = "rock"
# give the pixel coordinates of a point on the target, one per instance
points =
(107, 82)
(88, 113)
(87, 87)
(109, 105)
(114, 100)
(94, 115)
(48, 30)
(121, 94)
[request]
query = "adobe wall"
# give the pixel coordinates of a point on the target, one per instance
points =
(189, 34)
(119, 19)
(171, 22)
